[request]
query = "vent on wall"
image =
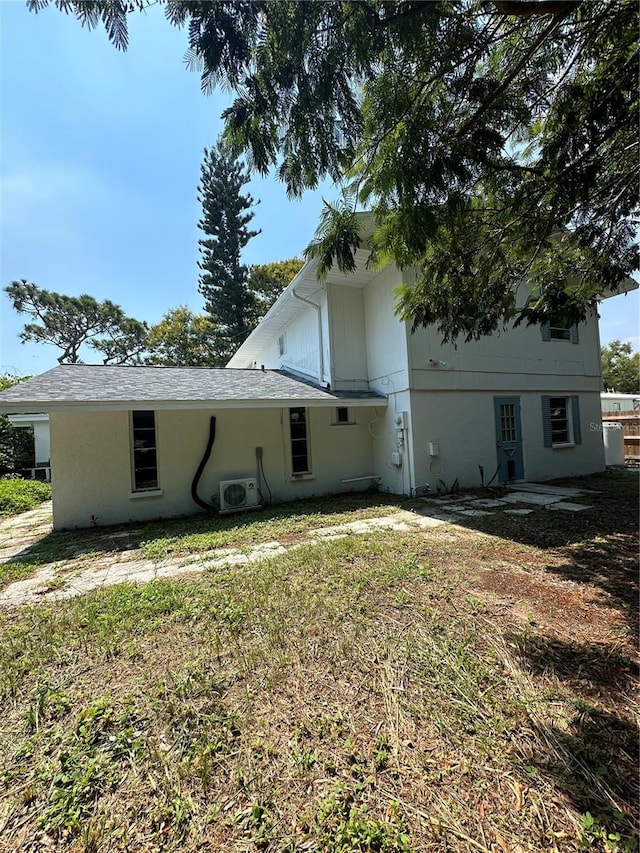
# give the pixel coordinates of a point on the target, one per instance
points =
(238, 494)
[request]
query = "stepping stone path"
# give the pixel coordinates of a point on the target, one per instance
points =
(19, 533)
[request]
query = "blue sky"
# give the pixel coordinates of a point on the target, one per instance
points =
(100, 155)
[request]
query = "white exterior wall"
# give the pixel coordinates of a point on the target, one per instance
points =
(92, 479)
(302, 347)
(463, 426)
(349, 370)
(42, 442)
(508, 361)
(387, 366)
(452, 403)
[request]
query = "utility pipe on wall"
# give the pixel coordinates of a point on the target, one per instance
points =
(202, 465)
(320, 342)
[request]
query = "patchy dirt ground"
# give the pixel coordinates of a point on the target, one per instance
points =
(572, 592)
(443, 676)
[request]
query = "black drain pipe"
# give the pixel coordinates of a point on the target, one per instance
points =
(201, 467)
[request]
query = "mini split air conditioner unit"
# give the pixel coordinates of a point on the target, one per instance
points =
(238, 494)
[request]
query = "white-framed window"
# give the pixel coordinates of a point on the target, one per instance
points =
(559, 330)
(144, 451)
(282, 345)
(561, 421)
(299, 438)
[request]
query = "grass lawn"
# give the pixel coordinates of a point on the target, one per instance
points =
(454, 689)
(20, 495)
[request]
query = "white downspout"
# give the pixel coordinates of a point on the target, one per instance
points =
(320, 341)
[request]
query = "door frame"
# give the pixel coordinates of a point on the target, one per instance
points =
(509, 450)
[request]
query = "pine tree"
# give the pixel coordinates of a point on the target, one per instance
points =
(226, 213)
(71, 322)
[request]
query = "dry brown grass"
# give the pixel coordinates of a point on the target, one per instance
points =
(370, 694)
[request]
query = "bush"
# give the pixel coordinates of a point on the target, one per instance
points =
(20, 495)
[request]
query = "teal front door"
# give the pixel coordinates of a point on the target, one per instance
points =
(508, 439)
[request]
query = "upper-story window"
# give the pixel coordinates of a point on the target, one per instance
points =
(144, 451)
(282, 345)
(558, 330)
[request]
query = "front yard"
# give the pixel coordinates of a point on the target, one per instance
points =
(456, 688)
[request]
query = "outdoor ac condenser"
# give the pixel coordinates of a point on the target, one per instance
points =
(238, 494)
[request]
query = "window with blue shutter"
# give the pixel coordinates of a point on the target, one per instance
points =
(546, 421)
(557, 330)
(561, 421)
(575, 417)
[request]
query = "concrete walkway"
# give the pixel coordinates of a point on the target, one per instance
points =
(85, 571)
(19, 532)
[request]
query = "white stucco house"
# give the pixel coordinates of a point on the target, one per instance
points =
(331, 392)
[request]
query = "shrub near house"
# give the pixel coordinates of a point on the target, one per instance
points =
(17, 495)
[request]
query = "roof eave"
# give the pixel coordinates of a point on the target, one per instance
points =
(626, 286)
(158, 405)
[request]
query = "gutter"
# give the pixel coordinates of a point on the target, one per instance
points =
(190, 405)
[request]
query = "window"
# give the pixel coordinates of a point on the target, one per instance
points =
(282, 345)
(558, 330)
(342, 415)
(508, 428)
(561, 421)
(559, 415)
(145, 455)
(299, 442)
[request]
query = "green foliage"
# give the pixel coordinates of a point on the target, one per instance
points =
(124, 341)
(226, 213)
(596, 835)
(21, 495)
(267, 281)
(185, 339)
(345, 828)
(495, 141)
(68, 322)
(620, 368)
(337, 237)
(16, 444)
(79, 781)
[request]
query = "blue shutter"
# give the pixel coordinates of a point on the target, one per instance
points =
(546, 421)
(546, 331)
(574, 337)
(575, 419)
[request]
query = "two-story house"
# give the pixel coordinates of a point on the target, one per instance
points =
(331, 392)
(524, 403)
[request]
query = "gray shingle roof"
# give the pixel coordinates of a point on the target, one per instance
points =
(79, 386)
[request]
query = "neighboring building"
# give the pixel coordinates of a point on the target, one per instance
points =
(348, 397)
(611, 401)
(42, 444)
